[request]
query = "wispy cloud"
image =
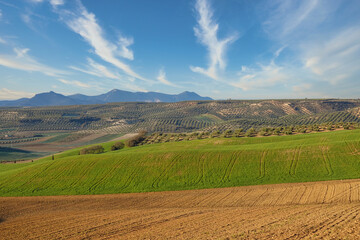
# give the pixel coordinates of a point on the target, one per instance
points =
(56, 3)
(2, 41)
(266, 76)
(8, 4)
(96, 69)
(1, 15)
(285, 17)
(162, 78)
(334, 58)
(302, 87)
(321, 39)
(6, 94)
(36, 1)
(22, 61)
(207, 33)
(75, 83)
(86, 25)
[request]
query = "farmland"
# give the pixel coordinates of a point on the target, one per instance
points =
(197, 164)
(316, 210)
(118, 118)
(48, 130)
(214, 188)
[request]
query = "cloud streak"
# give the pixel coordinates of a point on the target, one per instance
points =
(96, 69)
(335, 58)
(162, 78)
(75, 83)
(22, 61)
(2, 41)
(7, 94)
(86, 25)
(287, 16)
(206, 32)
(267, 76)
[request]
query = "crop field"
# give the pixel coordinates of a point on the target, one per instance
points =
(197, 164)
(316, 210)
(49, 145)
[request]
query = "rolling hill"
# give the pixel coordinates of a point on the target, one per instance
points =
(208, 163)
(178, 116)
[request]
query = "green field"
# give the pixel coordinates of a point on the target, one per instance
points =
(207, 163)
(8, 154)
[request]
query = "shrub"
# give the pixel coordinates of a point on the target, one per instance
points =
(228, 133)
(263, 133)
(117, 146)
(135, 141)
(239, 132)
(92, 150)
(250, 133)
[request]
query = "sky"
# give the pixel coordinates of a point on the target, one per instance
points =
(238, 49)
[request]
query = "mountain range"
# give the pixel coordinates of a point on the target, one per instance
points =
(115, 95)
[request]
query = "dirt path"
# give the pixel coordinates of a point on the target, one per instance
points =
(329, 210)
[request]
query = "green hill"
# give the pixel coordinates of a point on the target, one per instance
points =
(207, 163)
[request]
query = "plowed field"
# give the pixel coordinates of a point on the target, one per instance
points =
(329, 210)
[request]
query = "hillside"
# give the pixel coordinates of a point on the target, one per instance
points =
(123, 118)
(207, 163)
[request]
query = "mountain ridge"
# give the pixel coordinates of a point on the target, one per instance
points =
(56, 99)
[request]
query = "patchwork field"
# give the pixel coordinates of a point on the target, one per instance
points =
(317, 210)
(197, 164)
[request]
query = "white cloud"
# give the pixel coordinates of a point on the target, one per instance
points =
(133, 87)
(96, 69)
(162, 78)
(85, 24)
(36, 1)
(2, 41)
(334, 58)
(206, 31)
(1, 14)
(302, 87)
(287, 16)
(264, 77)
(56, 3)
(75, 83)
(6, 94)
(26, 18)
(22, 61)
(21, 52)
(124, 51)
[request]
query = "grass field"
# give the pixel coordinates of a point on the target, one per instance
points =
(13, 154)
(208, 163)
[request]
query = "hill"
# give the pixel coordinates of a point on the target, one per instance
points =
(123, 118)
(115, 95)
(207, 163)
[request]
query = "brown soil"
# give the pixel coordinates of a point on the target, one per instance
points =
(320, 210)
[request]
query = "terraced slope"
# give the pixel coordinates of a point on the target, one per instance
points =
(208, 163)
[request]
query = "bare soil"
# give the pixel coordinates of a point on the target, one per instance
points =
(318, 210)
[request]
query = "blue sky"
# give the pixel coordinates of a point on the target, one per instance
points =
(239, 49)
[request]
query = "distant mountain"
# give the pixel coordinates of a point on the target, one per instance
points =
(115, 95)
